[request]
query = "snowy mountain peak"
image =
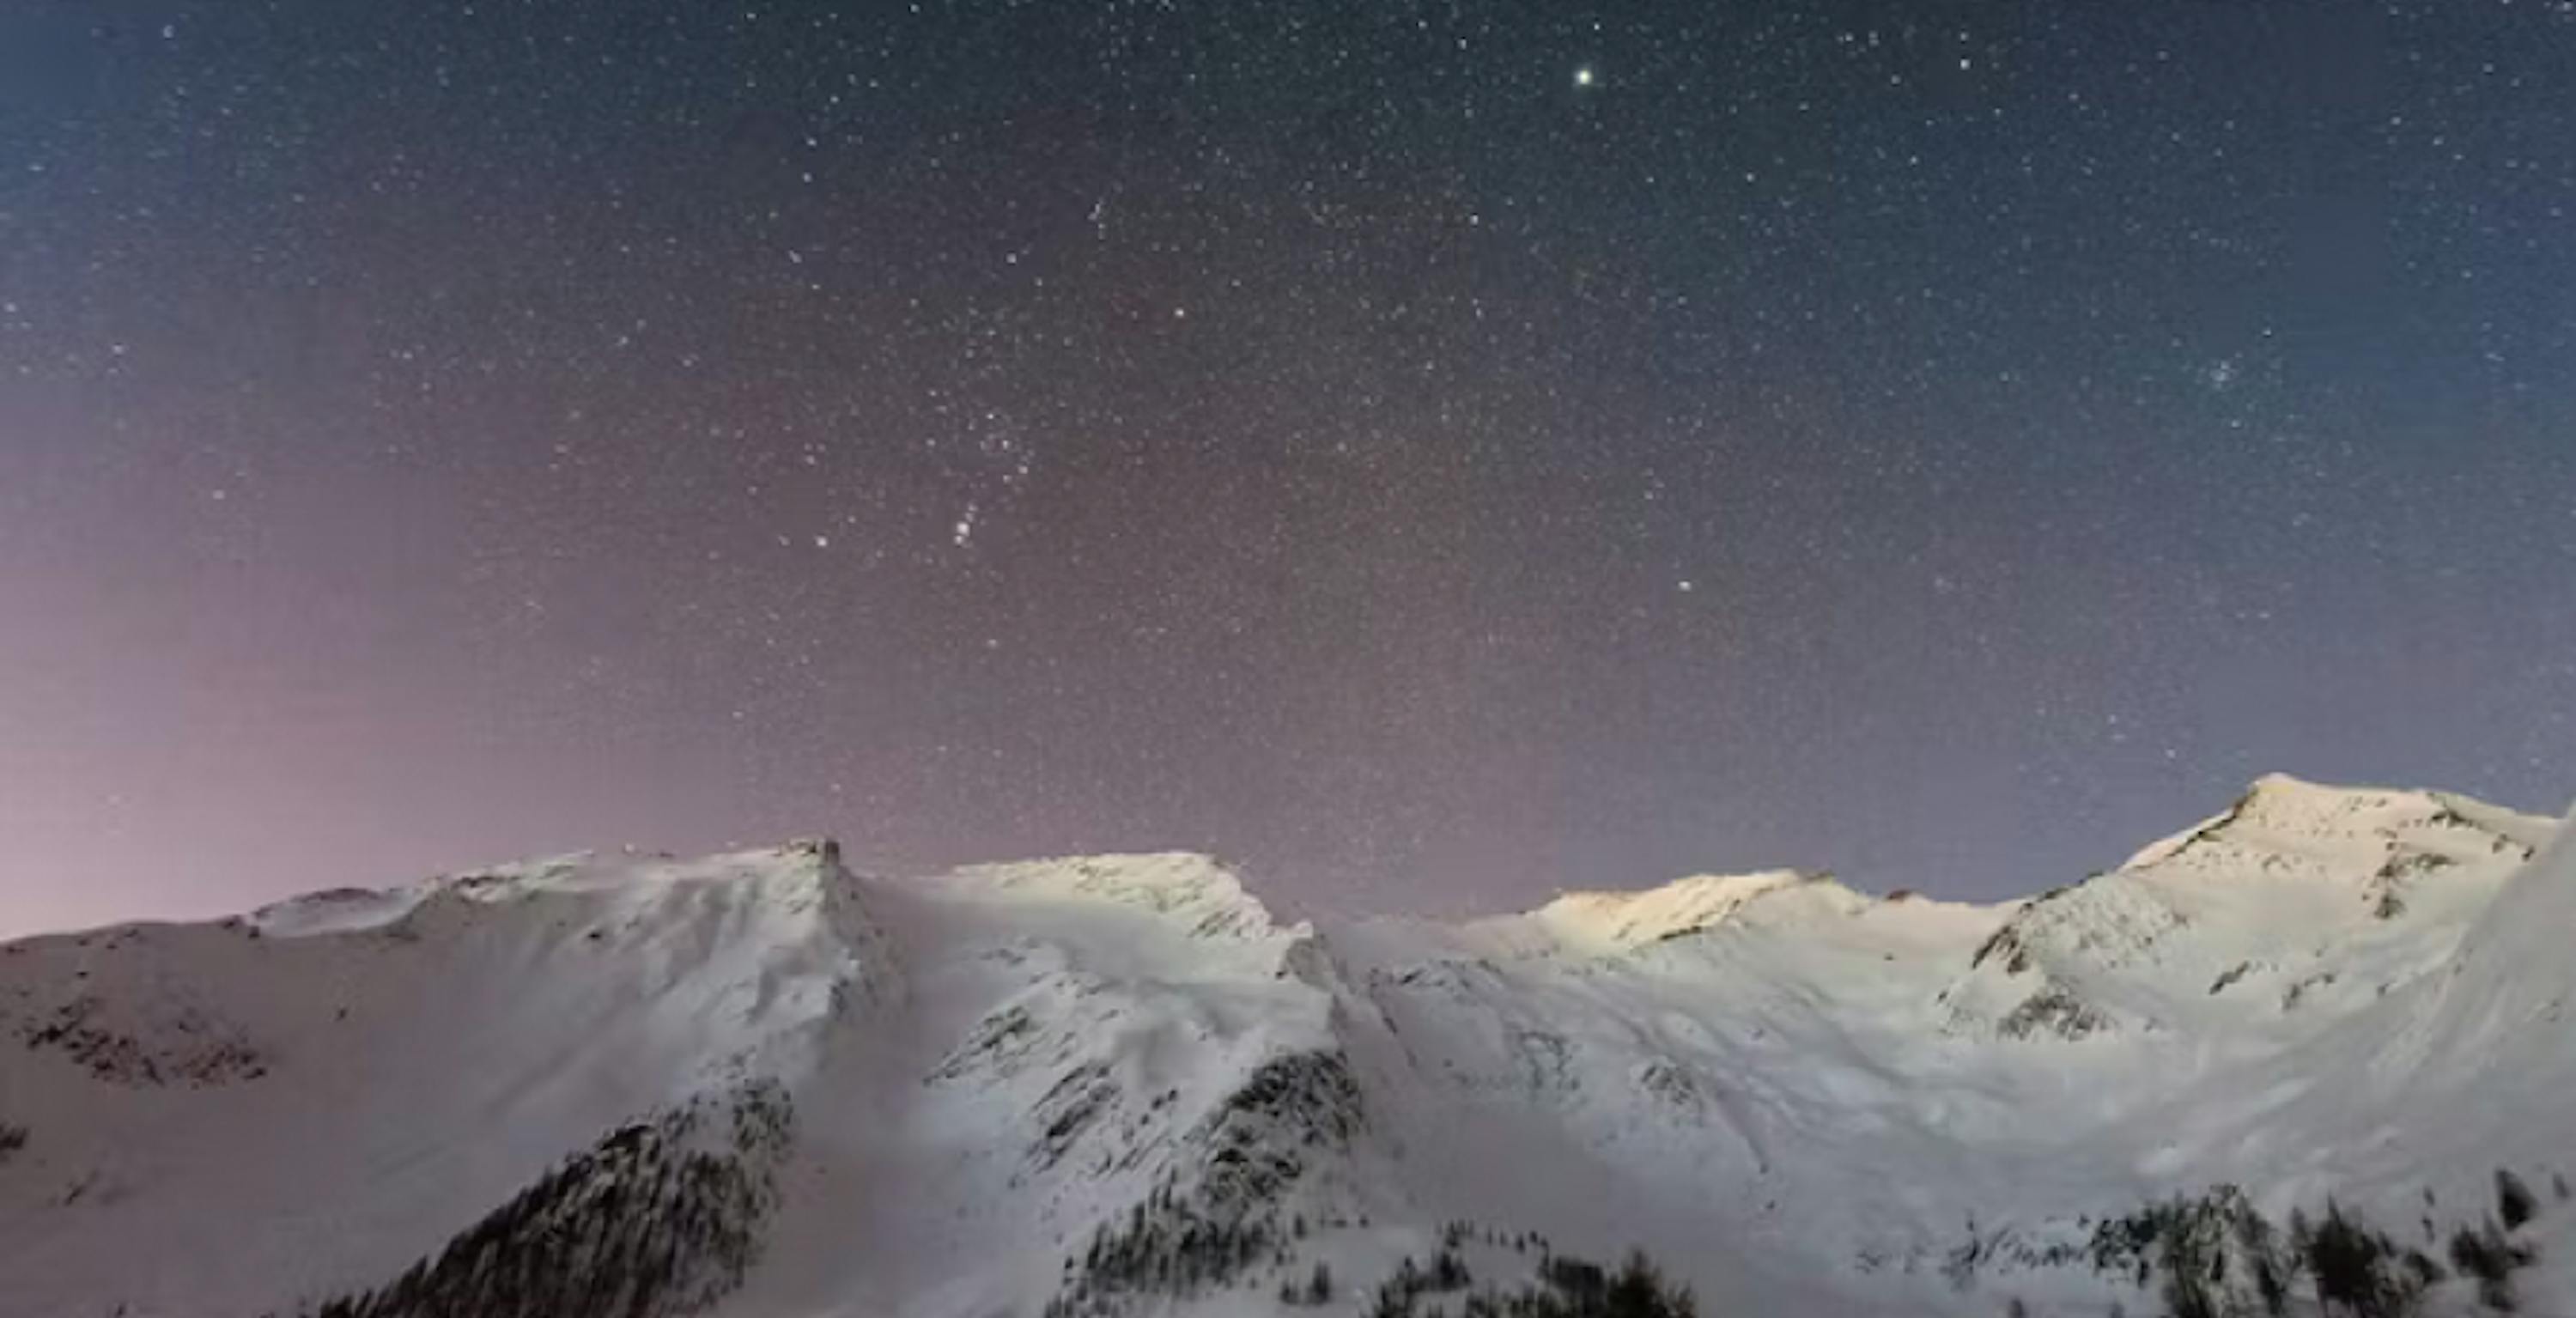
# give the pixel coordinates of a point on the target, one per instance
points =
(2312, 899)
(1599, 922)
(2283, 823)
(628, 876)
(1196, 890)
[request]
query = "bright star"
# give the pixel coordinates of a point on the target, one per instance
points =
(1583, 77)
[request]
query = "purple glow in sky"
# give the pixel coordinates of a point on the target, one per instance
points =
(1431, 455)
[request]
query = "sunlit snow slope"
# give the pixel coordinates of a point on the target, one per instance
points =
(761, 1085)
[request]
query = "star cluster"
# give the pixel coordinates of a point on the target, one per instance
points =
(1430, 453)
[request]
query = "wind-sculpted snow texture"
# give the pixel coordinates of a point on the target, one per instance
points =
(760, 1085)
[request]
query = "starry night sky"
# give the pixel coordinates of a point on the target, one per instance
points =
(1432, 454)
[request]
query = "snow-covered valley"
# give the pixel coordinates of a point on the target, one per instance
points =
(760, 1085)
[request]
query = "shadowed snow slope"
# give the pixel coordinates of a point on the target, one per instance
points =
(761, 1085)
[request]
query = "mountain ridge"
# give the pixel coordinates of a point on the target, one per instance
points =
(1143, 876)
(1109, 1085)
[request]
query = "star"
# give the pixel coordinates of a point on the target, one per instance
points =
(2025, 351)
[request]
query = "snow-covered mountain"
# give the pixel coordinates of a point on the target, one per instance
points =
(762, 1085)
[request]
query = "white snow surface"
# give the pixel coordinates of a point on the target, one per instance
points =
(1800, 1098)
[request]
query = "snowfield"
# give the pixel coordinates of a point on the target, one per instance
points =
(761, 1086)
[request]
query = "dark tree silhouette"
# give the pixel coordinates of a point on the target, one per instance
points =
(2359, 1270)
(1319, 1287)
(2514, 1201)
(2490, 1256)
(659, 1218)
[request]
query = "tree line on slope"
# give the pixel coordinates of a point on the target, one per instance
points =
(657, 1219)
(2214, 1256)
(1212, 1217)
(1565, 1287)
